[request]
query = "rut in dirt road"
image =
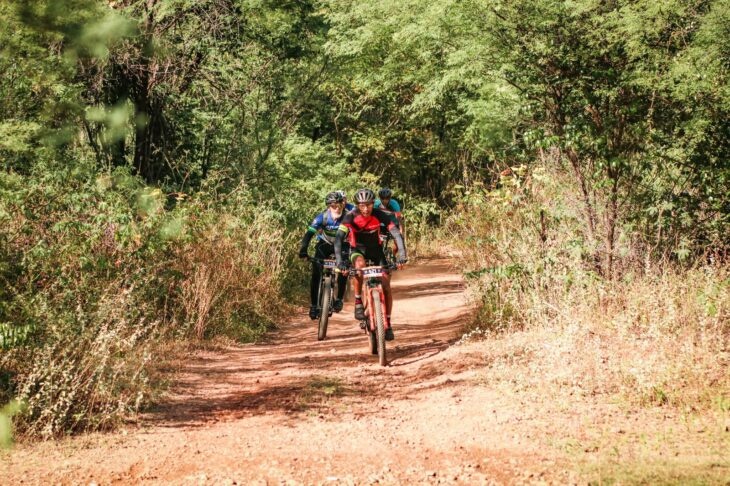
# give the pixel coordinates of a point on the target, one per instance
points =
(429, 310)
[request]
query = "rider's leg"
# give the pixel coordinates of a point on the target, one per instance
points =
(359, 262)
(341, 286)
(389, 336)
(324, 251)
(388, 294)
(314, 290)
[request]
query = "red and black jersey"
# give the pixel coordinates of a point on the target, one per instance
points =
(365, 230)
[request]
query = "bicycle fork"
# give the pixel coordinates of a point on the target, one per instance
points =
(370, 323)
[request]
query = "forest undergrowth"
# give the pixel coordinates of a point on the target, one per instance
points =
(656, 337)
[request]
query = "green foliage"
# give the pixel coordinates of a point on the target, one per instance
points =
(6, 426)
(161, 158)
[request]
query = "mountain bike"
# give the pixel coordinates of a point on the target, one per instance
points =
(327, 288)
(375, 323)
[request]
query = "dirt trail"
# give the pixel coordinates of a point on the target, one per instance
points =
(294, 410)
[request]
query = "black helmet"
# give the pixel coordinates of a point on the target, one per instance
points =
(342, 193)
(364, 196)
(333, 197)
(385, 193)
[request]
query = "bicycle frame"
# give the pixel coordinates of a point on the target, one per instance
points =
(375, 323)
(372, 280)
(327, 289)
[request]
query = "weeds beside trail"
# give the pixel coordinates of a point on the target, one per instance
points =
(100, 278)
(655, 335)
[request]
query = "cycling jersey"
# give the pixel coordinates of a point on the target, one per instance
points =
(393, 205)
(360, 229)
(363, 234)
(349, 207)
(325, 226)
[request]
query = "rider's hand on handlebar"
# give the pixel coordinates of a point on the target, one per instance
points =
(401, 261)
(342, 267)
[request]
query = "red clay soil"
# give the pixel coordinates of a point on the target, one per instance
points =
(297, 411)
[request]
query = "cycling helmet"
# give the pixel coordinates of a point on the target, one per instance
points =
(343, 194)
(333, 197)
(364, 196)
(385, 193)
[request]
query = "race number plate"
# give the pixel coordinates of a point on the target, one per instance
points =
(372, 272)
(330, 264)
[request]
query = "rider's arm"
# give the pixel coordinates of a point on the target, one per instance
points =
(387, 220)
(399, 241)
(339, 238)
(316, 225)
(342, 232)
(303, 247)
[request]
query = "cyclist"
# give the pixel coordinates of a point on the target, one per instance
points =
(391, 206)
(325, 226)
(386, 202)
(348, 206)
(362, 229)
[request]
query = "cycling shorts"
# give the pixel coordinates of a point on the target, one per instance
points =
(370, 251)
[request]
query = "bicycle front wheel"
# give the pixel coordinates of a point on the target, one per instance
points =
(379, 327)
(324, 307)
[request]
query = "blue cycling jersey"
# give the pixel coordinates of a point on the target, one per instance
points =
(392, 205)
(349, 207)
(325, 226)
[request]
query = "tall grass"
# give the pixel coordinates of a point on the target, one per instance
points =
(655, 334)
(98, 274)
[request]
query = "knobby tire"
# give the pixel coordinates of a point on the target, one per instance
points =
(324, 309)
(372, 340)
(379, 326)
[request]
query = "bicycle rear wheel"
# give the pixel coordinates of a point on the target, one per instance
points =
(324, 307)
(379, 327)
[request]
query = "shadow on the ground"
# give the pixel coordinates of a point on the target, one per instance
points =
(278, 376)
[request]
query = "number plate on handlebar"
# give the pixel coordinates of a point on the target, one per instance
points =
(372, 272)
(330, 264)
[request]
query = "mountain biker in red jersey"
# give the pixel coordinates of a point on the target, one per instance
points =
(361, 227)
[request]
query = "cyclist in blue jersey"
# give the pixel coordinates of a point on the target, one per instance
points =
(325, 226)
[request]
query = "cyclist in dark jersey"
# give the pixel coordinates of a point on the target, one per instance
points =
(361, 227)
(325, 226)
(387, 203)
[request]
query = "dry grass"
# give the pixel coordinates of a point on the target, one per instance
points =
(637, 359)
(233, 278)
(609, 407)
(659, 338)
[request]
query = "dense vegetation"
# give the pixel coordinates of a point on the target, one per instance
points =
(160, 157)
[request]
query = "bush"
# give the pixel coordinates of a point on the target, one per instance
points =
(656, 333)
(100, 271)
